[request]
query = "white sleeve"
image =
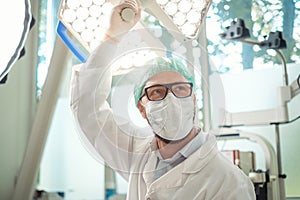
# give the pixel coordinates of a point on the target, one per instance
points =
(90, 87)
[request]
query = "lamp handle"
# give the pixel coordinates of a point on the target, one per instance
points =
(62, 32)
(128, 13)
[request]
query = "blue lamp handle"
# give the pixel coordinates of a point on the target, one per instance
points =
(61, 31)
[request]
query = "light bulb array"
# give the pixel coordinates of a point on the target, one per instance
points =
(86, 20)
(187, 15)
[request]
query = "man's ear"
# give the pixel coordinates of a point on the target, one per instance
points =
(142, 110)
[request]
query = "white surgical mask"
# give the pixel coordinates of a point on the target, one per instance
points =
(172, 117)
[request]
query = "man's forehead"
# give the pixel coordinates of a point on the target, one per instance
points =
(165, 77)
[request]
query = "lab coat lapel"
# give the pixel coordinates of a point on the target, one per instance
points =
(201, 157)
(172, 179)
(149, 169)
(176, 176)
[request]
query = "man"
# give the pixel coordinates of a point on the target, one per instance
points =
(179, 162)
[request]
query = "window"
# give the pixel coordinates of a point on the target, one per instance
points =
(46, 37)
(261, 17)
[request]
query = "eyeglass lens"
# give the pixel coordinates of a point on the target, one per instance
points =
(159, 92)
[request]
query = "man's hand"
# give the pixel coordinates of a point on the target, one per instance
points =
(118, 26)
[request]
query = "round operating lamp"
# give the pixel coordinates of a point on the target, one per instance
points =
(15, 18)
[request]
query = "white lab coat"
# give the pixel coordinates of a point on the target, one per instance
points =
(205, 175)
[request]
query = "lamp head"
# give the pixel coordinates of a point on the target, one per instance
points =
(87, 20)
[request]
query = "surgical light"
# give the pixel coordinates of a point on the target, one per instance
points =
(87, 20)
(17, 20)
(187, 15)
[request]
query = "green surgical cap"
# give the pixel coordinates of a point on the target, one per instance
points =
(161, 64)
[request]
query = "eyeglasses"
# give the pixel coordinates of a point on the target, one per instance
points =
(159, 92)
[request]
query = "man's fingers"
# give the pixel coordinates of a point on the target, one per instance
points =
(132, 4)
(137, 15)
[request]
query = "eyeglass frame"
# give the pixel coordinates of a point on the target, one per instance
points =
(169, 88)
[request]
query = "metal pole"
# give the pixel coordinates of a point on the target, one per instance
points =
(110, 182)
(281, 176)
(284, 69)
(26, 180)
(280, 54)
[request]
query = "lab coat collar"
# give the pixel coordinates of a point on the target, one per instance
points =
(193, 164)
(186, 150)
(165, 181)
(202, 156)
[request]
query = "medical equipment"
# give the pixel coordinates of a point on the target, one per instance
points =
(87, 20)
(25, 182)
(16, 23)
(245, 160)
(238, 31)
(267, 184)
(279, 115)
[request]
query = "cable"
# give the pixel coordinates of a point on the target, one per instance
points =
(296, 118)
